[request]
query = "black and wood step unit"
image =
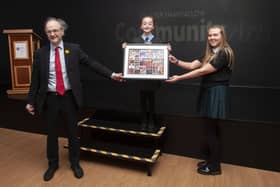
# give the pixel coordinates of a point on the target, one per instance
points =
(121, 139)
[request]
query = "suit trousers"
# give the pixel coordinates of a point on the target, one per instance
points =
(61, 106)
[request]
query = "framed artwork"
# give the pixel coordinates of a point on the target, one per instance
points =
(145, 61)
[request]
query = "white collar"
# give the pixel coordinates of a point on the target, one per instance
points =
(60, 46)
(215, 50)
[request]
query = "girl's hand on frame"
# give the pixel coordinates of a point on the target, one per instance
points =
(169, 48)
(124, 45)
(173, 59)
(172, 79)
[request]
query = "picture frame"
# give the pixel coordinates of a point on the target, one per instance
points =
(21, 50)
(146, 61)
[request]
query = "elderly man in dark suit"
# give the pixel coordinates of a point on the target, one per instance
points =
(56, 88)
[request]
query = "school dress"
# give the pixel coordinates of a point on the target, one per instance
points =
(213, 100)
(213, 105)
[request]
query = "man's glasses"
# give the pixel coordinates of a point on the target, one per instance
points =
(53, 31)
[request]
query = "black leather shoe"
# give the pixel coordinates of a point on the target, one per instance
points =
(202, 164)
(210, 170)
(78, 171)
(48, 175)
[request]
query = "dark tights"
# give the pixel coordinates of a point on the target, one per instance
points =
(212, 147)
(147, 100)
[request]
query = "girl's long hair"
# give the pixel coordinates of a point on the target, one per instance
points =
(209, 55)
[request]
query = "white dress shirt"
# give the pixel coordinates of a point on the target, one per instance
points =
(52, 74)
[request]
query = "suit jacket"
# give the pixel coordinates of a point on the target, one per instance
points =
(74, 56)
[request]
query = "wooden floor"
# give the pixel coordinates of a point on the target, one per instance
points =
(23, 163)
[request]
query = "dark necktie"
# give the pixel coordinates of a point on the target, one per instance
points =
(59, 79)
(147, 39)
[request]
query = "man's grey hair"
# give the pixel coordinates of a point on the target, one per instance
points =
(63, 24)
